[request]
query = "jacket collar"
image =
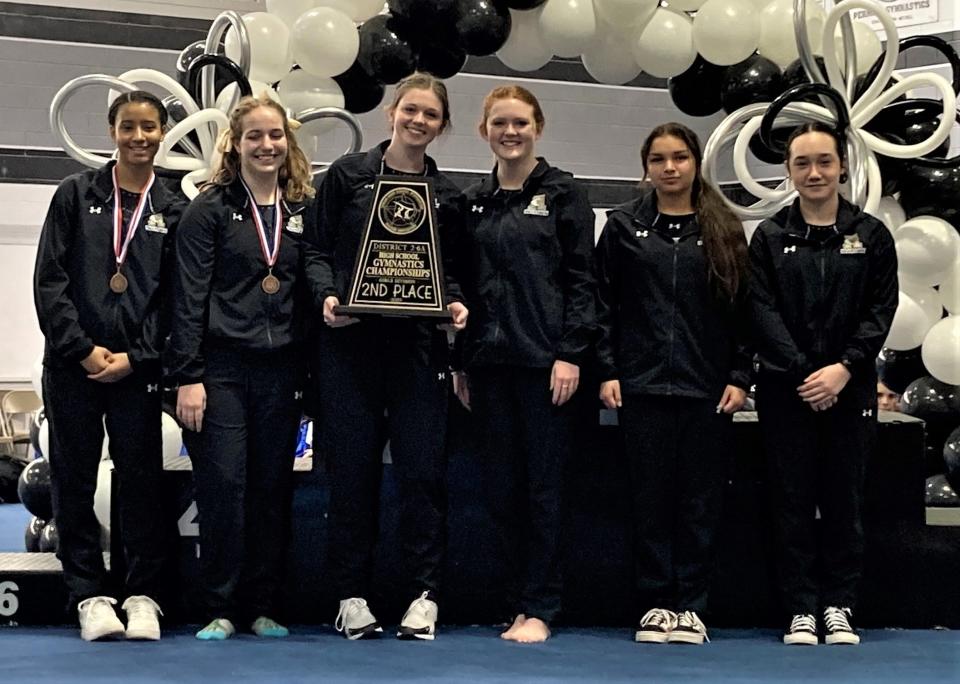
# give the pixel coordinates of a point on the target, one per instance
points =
(791, 219)
(102, 188)
(237, 196)
(643, 211)
(490, 184)
(373, 160)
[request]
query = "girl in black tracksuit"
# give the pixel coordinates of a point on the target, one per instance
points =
(240, 305)
(377, 365)
(527, 260)
(671, 269)
(822, 297)
(100, 282)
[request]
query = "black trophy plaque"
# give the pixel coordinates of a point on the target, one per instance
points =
(399, 271)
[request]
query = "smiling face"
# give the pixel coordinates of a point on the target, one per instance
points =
(511, 129)
(814, 166)
(416, 119)
(671, 166)
(263, 143)
(137, 133)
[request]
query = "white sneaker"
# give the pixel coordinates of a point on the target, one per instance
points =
(420, 620)
(355, 621)
(802, 631)
(689, 630)
(837, 627)
(98, 619)
(142, 618)
(655, 626)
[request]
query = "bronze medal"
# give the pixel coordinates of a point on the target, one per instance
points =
(270, 284)
(118, 283)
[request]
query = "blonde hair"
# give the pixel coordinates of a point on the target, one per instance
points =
(294, 177)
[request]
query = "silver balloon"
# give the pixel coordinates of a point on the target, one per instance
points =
(60, 100)
(218, 30)
(317, 113)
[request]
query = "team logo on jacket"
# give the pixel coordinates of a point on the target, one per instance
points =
(791, 248)
(402, 211)
(156, 224)
(295, 224)
(852, 245)
(537, 206)
(643, 233)
(96, 210)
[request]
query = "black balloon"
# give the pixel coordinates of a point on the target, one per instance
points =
(935, 190)
(951, 459)
(383, 53)
(764, 153)
(235, 73)
(31, 535)
(938, 492)
(426, 15)
(696, 91)
(221, 79)
(795, 74)
(795, 94)
(897, 369)
(50, 538)
(482, 25)
(927, 398)
(33, 488)
(755, 79)
(440, 60)
(361, 91)
(523, 4)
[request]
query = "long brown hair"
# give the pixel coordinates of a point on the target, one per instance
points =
(294, 177)
(723, 237)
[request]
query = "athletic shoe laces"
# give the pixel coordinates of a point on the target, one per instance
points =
(803, 623)
(138, 607)
(658, 617)
(837, 619)
(349, 609)
(690, 620)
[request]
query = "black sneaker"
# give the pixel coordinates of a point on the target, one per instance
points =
(655, 626)
(689, 629)
(802, 631)
(837, 627)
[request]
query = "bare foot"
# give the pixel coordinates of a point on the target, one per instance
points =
(532, 631)
(517, 624)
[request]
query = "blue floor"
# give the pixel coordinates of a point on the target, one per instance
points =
(13, 522)
(475, 654)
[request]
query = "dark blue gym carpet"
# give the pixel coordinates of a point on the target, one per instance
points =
(475, 654)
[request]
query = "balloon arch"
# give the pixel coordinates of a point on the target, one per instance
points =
(769, 64)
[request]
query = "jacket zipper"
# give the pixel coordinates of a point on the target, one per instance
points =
(673, 311)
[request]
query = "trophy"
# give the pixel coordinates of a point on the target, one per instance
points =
(399, 271)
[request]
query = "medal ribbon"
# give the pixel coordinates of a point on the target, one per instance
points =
(120, 250)
(269, 256)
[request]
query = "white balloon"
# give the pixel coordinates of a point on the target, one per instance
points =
(289, 11)
(609, 59)
(690, 5)
(665, 47)
(525, 49)
(627, 15)
(941, 350)
(43, 439)
(929, 300)
(172, 438)
(726, 31)
(950, 289)
(270, 53)
(927, 246)
(358, 10)
(568, 26)
(325, 41)
(777, 39)
(868, 46)
(258, 88)
(300, 91)
(36, 376)
(910, 325)
(891, 213)
(101, 501)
